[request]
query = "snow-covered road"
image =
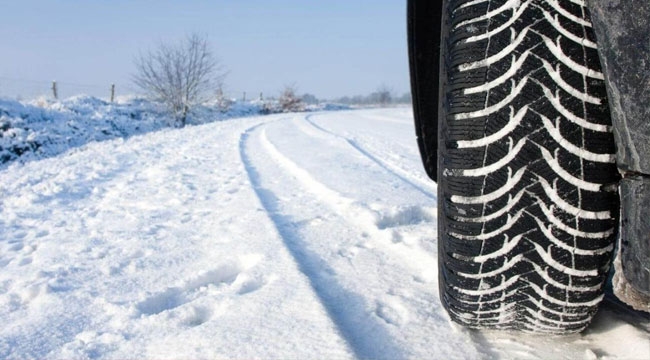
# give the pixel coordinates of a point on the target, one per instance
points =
(285, 236)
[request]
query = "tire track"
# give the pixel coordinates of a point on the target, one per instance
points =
(345, 308)
(391, 168)
(374, 321)
(358, 215)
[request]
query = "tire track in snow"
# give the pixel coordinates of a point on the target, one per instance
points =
(388, 292)
(343, 306)
(358, 215)
(391, 168)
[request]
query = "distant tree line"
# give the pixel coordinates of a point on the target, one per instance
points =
(382, 96)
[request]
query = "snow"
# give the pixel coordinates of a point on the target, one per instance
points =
(43, 128)
(308, 235)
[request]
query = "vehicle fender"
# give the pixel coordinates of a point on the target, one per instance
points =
(622, 30)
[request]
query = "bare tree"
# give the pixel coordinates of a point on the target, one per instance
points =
(179, 75)
(290, 101)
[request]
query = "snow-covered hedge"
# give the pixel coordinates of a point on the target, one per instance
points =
(44, 128)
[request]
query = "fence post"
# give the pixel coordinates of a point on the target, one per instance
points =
(56, 95)
(244, 99)
(112, 92)
(261, 96)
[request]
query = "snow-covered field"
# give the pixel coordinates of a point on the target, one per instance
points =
(44, 128)
(286, 236)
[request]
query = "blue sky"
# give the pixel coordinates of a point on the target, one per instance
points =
(328, 48)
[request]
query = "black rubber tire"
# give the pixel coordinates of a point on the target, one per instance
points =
(527, 201)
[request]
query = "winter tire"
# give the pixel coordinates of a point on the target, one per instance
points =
(526, 169)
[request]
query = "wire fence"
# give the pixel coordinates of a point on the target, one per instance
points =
(27, 89)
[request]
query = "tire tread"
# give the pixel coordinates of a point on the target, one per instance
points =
(535, 189)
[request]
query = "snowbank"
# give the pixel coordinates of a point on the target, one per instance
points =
(44, 128)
